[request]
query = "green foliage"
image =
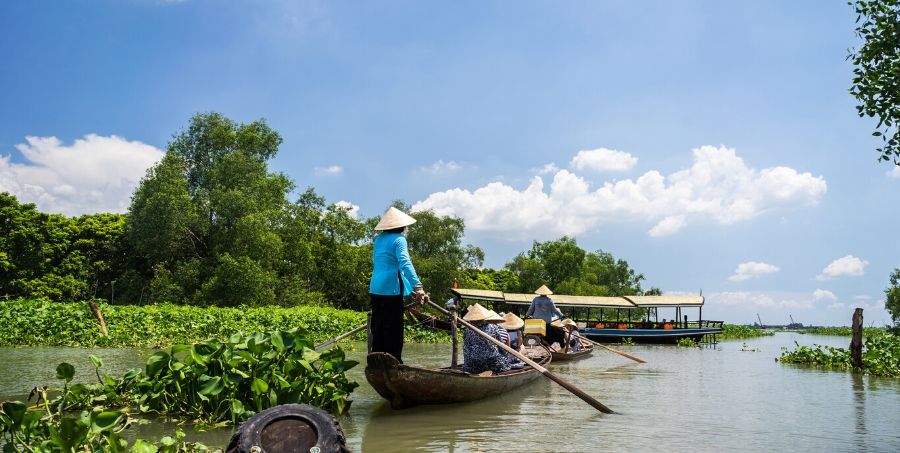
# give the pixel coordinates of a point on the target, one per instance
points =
(876, 73)
(881, 355)
(626, 341)
(567, 269)
(732, 332)
(37, 323)
(892, 297)
(687, 343)
(840, 331)
(226, 382)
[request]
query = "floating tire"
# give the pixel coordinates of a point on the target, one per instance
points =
(289, 428)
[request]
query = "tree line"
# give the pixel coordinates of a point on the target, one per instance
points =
(210, 224)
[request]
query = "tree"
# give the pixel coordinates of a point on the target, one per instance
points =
(876, 81)
(892, 297)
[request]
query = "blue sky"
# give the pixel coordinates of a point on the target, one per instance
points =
(713, 145)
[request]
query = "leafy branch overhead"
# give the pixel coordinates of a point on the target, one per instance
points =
(876, 80)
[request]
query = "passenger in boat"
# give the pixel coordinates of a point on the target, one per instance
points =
(479, 354)
(542, 307)
(513, 325)
(393, 278)
(573, 338)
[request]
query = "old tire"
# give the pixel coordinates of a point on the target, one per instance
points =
(289, 428)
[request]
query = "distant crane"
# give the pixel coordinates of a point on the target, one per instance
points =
(759, 319)
(792, 319)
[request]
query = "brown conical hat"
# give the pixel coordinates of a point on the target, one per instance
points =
(543, 291)
(394, 218)
(512, 322)
(478, 313)
(569, 323)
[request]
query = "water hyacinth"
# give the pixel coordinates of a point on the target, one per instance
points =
(881, 355)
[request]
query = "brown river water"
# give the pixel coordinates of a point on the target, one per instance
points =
(727, 397)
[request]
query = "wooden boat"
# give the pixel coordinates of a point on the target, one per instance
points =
(406, 386)
(587, 348)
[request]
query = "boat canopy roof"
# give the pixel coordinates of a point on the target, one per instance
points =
(562, 300)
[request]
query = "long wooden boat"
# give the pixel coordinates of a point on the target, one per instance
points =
(652, 336)
(587, 348)
(406, 386)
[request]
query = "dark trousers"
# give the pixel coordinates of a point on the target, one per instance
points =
(387, 324)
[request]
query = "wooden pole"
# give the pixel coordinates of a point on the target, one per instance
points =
(571, 388)
(628, 356)
(856, 341)
(453, 363)
(99, 317)
(342, 336)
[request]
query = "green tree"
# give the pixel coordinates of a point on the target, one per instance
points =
(892, 297)
(876, 81)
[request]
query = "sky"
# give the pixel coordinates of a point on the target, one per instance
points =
(712, 145)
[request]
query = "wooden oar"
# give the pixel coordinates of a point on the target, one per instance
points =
(615, 350)
(575, 390)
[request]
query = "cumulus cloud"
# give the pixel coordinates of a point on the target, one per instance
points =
(758, 299)
(352, 209)
(332, 170)
(546, 169)
(848, 266)
(895, 173)
(718, 185)
(820, 294)
(443, 167)
(93, 174)
(750, 269)
(603, 159)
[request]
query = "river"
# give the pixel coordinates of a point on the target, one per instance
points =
(730, 397)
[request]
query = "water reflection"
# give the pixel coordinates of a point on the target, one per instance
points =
(859, 408)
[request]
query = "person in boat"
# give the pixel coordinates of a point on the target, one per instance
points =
(393, 279)
(511, 329)
(542, 307)
(572, 337)
(479, 354)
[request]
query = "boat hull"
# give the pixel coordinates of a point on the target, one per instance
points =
(652, 336)
(406, 386)
(585, 352)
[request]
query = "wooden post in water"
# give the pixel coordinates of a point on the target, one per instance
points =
(856, 342)
(453, 362)
(685, 322)
(99, 317)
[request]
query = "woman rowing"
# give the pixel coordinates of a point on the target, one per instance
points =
(393, 278)
(542, 307)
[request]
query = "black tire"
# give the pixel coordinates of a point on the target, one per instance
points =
(289, 428)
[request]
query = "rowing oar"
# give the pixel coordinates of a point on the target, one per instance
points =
(575, 390)
(345, 335)
(615, 350)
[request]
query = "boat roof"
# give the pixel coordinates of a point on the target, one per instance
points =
(563, 300)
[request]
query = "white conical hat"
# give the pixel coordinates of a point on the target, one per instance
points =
(543, 291)
(478, 313)
(512, 322)
(394, 218)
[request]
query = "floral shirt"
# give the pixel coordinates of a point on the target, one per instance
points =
(480, 354)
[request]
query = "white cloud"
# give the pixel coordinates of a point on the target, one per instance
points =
(667, 226)
(862, 297)
(847, 266)
(546, 169)
(758, 299)
(352, 209)
(603, 159)
(443, 167)
(750, 269)
(93, 174)
(837, 305)
(332, 170)
(820, 294)
(895, 173)
(718, 185)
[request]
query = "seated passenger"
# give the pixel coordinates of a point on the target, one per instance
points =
(512, 325)
(479, 354)
(573, 338)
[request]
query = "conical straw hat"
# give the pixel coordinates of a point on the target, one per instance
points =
(512, 322)
(494, 317)
(394, 218)
(478, 313)
(542, 291)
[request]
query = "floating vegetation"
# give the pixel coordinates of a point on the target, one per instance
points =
(687, 343)
(628, 341)
(745, 348)
(840, 331)
(732, 332)
(880, 357)
(43, 323)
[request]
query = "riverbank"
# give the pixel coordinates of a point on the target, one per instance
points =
(44, 323)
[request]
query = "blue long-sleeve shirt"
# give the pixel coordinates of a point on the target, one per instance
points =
(390, 255)
(543, 308)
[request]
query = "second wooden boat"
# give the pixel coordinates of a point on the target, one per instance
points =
(406, 386)
(587, 348)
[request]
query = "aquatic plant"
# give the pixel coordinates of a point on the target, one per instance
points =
(881, 355)
(47, 427)
(44, 323)
(627, 341)
(840, 331)
(732, 332)
(687, 343)
(220, 383)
